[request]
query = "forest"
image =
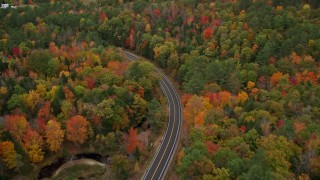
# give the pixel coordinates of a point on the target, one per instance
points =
(248, 73)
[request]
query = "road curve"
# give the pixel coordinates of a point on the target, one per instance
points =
(166, 150)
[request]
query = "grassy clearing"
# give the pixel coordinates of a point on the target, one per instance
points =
(80, 171)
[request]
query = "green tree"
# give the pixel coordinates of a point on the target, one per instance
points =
(139, 108)
(39, 61)
(120, 166)
(155, 115)
(244, 4)
(195, 154)
(139, 5)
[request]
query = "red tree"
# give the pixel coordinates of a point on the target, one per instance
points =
(157, 12)
(41, 124)
(45, 110)
(280, 123)
(90, 83)
(243, 128)
(204, 20)
(16, 51)
(77, 129)
(216, 22)
(97, 121)
(103, 16)
(245, 26)
(133, 141)
(185, 98)
(211, 147)
(207, 33)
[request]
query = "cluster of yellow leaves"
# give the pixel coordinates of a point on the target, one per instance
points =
(250, 119)
(41, 90)
(194, 106)
(8, 154)
(33, 99)
(148, 28)
(279, 8)
(53, 92)
(279, 151)
(3, 90)
(54, 135)
(35, 153)
(33, 144)
(242, 96)
(66, 73)
(250, 85)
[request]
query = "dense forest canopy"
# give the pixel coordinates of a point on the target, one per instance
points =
(248, 71)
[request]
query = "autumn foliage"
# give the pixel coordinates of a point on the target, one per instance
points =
(33, 143)
(248, 73)
(45, 111)
(16, 125)
(8, 154)
(211, 147)
(275, 78)
(77, 129)
(133, 142)
(207, 33)
(199, 121)
(54, 135)
(103, 16)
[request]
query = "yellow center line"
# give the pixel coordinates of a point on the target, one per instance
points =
(174, 117)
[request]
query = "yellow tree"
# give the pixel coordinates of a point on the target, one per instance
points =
(279, 151)
(250, 85)
(139, 108)
(242, 96)
(54, 135)
(32, 143)
(33, 99)
(194, 106)
(8, 154)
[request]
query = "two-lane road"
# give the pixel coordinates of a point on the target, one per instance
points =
(165, 153)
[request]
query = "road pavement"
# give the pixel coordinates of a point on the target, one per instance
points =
(166, 150)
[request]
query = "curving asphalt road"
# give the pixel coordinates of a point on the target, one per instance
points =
(166, 151)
